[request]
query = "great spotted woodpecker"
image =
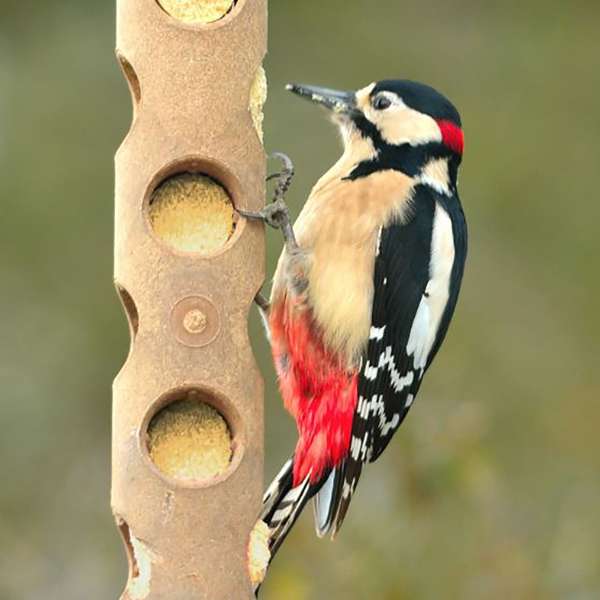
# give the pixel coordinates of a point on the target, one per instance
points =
(364, 290)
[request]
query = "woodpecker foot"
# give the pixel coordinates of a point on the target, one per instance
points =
(277, 214)
(285, 176)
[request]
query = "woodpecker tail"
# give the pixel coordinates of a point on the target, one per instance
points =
(327, 502)
(283, 503)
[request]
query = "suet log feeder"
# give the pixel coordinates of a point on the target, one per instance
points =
(188, 403)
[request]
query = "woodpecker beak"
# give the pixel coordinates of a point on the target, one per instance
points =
(342, 103)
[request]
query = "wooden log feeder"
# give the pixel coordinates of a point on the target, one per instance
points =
(188, 403)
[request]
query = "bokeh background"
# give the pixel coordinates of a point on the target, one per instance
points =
(492, 488)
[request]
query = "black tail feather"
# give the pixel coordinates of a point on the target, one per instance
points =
(283, 504)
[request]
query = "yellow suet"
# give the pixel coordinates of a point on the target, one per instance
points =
(192, 213)
(189, 440)
(259, 555)
(258, 97)
(197, 11)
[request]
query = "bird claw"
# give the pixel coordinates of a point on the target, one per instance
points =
(277, 214)
(284, 177)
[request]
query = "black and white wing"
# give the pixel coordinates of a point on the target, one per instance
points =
(418, 271)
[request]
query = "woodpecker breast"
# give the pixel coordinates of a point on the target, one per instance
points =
(337, 231)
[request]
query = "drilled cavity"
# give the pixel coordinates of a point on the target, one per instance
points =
(189, 440)
(197, 11)
(192, 212)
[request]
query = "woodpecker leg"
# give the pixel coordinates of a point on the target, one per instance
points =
(262, 303)
(276, 214)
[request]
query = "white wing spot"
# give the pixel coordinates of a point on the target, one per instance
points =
(365, 446)
(355, 447)
(377, 333)
(370, 372)
(385, 428)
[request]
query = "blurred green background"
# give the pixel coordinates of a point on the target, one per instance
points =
(492, 488)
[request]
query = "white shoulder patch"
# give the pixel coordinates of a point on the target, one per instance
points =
(433, 302)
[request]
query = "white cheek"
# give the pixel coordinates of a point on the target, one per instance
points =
(400, 124)
(408, 126)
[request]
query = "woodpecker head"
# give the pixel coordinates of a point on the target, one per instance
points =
(406, 123)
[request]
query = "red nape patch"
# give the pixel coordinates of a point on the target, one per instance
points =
(317, 390)
(452, 136)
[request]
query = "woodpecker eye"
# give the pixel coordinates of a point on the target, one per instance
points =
(381, 102)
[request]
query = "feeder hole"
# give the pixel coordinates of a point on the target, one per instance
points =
(258, 97)
(192, 213)
(131, 311)
(132, 80)
(197, 11)
(189, 440)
